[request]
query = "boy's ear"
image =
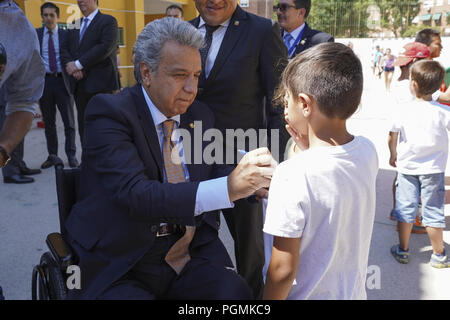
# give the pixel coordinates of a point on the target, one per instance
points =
(305, 103)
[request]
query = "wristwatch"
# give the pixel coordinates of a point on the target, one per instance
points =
(5, 157)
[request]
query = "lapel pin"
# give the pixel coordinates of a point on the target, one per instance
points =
(191, 125)
(303, 42)
(236, 23)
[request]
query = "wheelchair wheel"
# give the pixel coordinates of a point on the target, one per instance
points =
(48, 281)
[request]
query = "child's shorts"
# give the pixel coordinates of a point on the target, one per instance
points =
(432, 189)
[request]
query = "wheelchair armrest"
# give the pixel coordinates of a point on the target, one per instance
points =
(61, 252)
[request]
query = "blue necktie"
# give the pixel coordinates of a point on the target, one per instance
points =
(84, 27)
(287, 40)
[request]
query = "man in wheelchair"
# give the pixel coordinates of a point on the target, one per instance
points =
(144, 225)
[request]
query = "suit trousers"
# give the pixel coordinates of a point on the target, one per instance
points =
(81, 99)
(201, 279)
(16, 163)
(245, 222)
(56, 95)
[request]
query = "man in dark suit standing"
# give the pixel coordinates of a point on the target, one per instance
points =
(144, 223)
(57, 87)
(242, 63)
(89, 55)
(296, 33)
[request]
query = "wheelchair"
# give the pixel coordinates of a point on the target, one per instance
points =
(49, 277)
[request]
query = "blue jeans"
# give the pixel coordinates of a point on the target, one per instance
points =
(432, 189)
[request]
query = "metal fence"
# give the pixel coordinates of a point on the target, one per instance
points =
(365, 19)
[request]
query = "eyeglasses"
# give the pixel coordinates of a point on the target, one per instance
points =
(282, 7)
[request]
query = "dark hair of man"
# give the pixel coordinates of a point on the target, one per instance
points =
(426, 36)
(174, 6)
(50, 5)
(429, 76)
(303, 4)
(329, 72)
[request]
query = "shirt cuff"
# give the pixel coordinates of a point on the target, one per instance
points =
(212, 195)
(78, 64)
(436, 95)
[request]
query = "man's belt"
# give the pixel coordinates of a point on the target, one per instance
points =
(54, 74)
(169, 229)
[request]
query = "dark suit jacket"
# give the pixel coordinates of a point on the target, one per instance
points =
(247, 69)
(96, 53)
(62, 35)
(123, 199)
(310, 38)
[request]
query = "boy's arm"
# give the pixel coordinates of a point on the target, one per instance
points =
(283, 268)
(392, 142)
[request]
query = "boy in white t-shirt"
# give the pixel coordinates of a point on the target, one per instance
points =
(418, 143)
(321, 203)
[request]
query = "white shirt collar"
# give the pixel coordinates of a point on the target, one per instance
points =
(54, 31)
(92, 15)
(158, 116)
(297, 31)
(224, 24)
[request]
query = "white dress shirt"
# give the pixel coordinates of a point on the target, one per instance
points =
(45, 55)
(294, 34)
(218, 36)
(90, 18)
(211, 194)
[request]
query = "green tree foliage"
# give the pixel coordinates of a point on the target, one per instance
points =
(358, 18)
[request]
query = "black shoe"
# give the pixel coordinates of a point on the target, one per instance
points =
(29, 172)
(18, 179)
(49, 162)
(73, 163)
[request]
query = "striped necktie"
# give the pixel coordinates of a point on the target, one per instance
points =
(178, 255)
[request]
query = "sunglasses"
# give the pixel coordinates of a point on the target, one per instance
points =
(282, 7)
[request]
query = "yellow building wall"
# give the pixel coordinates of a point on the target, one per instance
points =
(129, 15)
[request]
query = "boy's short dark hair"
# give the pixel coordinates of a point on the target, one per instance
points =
(426, 36)
(331, 73)
(174, 6)
(303, 4)
(50, 5)
(428, 75)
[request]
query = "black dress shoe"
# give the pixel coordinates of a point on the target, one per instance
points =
(73, 163)
(18, 179)
(48, 163)
(29, 172)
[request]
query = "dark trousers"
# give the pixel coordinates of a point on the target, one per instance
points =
(245, 222)
(202, 278)
(16, 163)
(82, 99)
(56, 95)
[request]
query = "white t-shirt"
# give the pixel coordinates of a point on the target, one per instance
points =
(423, 137)
(401, 92)
(326, 196)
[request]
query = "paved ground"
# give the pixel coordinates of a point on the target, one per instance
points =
(29, 212)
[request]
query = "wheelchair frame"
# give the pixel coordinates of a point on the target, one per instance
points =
(49, 277)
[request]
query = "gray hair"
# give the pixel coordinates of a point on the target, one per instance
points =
(151, 40)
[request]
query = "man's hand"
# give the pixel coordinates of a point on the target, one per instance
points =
(78, 75)
(261, 194)
(71, 68)
(253, 172)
